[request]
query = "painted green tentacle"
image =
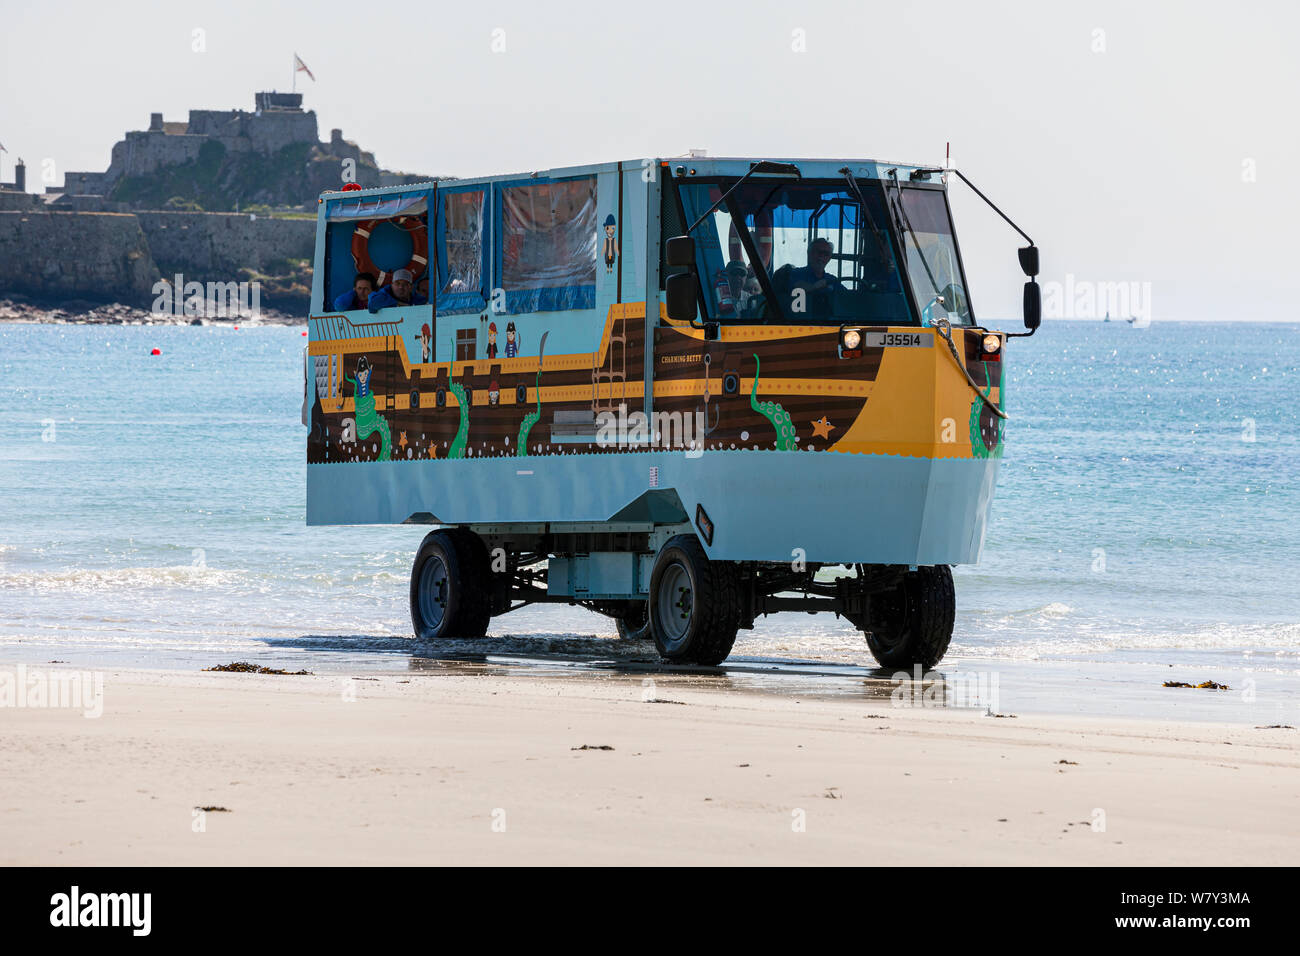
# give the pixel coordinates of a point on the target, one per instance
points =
(457, 447)
(977, 446)
(786, 439)
(531, 419)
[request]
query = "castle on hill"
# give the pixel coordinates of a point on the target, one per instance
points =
(278, 132)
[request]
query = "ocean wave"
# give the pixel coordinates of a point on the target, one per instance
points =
(1261, 641)
(118, 579)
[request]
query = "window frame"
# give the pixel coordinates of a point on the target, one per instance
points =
(894, 237)
(465, 307)
(956, 244)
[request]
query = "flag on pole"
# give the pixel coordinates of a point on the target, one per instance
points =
(301, 67)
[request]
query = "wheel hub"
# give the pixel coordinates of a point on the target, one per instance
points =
(676, 604)
(433, 591)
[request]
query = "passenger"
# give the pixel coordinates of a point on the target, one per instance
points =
(358, 296)
(422, 288)
(397, 292)
(814, 279)
(730, 289)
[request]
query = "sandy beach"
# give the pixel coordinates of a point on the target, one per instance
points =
(458, 768)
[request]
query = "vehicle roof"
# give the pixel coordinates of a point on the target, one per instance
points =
(681, 166)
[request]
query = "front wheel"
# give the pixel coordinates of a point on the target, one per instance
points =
(912, 624)
(693, 611)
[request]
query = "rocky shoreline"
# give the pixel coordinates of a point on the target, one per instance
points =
(18, 308)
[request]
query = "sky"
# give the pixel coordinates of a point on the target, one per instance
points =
(1144, 143)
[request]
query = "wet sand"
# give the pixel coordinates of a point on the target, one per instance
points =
(483, 764)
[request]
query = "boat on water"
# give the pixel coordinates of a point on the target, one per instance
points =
(683, 393)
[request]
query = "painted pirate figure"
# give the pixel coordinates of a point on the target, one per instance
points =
(512, 341)
(368, 421)
(611, 244)
(426, 343)
(492, 340)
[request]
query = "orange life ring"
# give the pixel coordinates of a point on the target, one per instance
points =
(419, 234)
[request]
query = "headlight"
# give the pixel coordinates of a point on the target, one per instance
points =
(852, 339)
(991, 344)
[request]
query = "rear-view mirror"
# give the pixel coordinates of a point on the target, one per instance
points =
(679, 252)
(1028, 260)
(682, 295)
(1033, 305)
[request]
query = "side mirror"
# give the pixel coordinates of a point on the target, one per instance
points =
(682, 295)
(1028, 260)
(679, 252)
(1033, 305)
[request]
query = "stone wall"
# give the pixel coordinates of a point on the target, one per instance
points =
(97, 256)
(215, 246)
(119, 257)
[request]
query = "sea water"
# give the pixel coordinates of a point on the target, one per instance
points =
(151, 511)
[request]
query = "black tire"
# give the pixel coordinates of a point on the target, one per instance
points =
(912, 624)
(478, 605)
(693, 607)
(449, 586)
(634, 625)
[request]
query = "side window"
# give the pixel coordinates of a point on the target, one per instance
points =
(548, 246)
(373, 236)
(460, 266)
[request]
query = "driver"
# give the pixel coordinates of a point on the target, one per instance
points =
(814, 279)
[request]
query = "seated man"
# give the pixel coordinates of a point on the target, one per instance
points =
(358, 295)
(398, 292)
(729, 292)
(817, 283)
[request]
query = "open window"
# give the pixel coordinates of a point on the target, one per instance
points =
(374, 235)
(547, 246)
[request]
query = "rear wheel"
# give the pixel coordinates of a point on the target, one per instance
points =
(450, 579)
(693, 611)
(634, 624)
(912, 623)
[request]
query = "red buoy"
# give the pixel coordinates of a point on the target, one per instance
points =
(156, 352)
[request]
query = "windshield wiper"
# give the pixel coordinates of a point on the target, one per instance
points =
(906, 224)
(881, 243)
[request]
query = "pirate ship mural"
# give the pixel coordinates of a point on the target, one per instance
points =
(777, 393)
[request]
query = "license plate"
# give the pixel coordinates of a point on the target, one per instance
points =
(879, 340)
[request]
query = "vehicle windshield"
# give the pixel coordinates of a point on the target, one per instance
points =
(932, 263)
(823, 260)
